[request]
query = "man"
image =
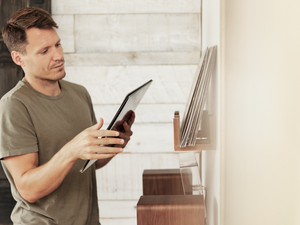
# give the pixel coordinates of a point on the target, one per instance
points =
(48, 129)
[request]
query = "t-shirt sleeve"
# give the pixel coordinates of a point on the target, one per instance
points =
(17, 134)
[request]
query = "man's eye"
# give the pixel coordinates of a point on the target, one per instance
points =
(58, 44)
(45, 51)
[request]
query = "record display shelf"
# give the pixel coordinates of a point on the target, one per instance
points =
(205, 137)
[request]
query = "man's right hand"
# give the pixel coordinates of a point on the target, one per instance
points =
(93, 143)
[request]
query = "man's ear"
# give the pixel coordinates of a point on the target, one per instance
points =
(17, 58)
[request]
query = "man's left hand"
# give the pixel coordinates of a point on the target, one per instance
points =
(125, 128)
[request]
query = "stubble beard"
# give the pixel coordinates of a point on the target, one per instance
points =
(49, 81)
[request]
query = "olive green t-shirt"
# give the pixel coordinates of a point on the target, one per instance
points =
(33, 122)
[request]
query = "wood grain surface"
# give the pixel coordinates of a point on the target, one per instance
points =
(162, 182)
(124, 7)
(170, 210)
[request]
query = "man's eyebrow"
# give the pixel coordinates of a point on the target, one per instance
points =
(46, 47)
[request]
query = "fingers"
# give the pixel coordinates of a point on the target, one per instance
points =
(131, 120)
(103, 150)
(125, 135)
(102, 133)
(108, 141)
(100, 152)
(129, 117)
(127, 129)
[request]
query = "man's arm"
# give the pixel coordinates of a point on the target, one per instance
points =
(34, 182)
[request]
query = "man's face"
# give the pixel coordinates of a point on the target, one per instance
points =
(44, 58)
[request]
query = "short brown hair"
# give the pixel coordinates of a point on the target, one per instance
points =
(14, 32)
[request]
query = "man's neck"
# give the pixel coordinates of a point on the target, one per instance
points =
(46, 87)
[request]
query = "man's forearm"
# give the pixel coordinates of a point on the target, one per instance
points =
(40, 181)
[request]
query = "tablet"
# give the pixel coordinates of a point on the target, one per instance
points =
(123, 114)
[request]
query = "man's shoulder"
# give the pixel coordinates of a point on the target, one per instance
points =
(13, 104)
(16, 94)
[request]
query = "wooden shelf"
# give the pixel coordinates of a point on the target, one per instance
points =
(205, 138)
(166, 182)
(171, 210)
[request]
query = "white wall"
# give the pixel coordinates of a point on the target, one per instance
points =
(261, 113)
(211, 159)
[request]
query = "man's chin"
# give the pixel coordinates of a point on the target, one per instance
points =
(61, 75)
(55, 77)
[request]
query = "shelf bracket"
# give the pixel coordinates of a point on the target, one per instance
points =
(205, 137)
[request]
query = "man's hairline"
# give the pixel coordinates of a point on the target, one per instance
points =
(26, 43)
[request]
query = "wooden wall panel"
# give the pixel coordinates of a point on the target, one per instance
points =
(145, 113)
(137, 33)
(121, 209)
(130, 58)
(109, 85)
(151, 138)
(117, 221)
(122, 178)
(66, 31)
(120, 6)
(7, 202)
(10, 74)
(8, 7)
(44, 4)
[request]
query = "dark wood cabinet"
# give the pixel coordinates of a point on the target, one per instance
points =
(165, 182)
(170, 210)
(10, 74)
(164, 201)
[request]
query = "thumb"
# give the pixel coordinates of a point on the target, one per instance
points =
(98, 125)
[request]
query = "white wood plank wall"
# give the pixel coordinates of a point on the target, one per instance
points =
(111, 47)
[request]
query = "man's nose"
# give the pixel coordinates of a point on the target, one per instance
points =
(58, 54)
